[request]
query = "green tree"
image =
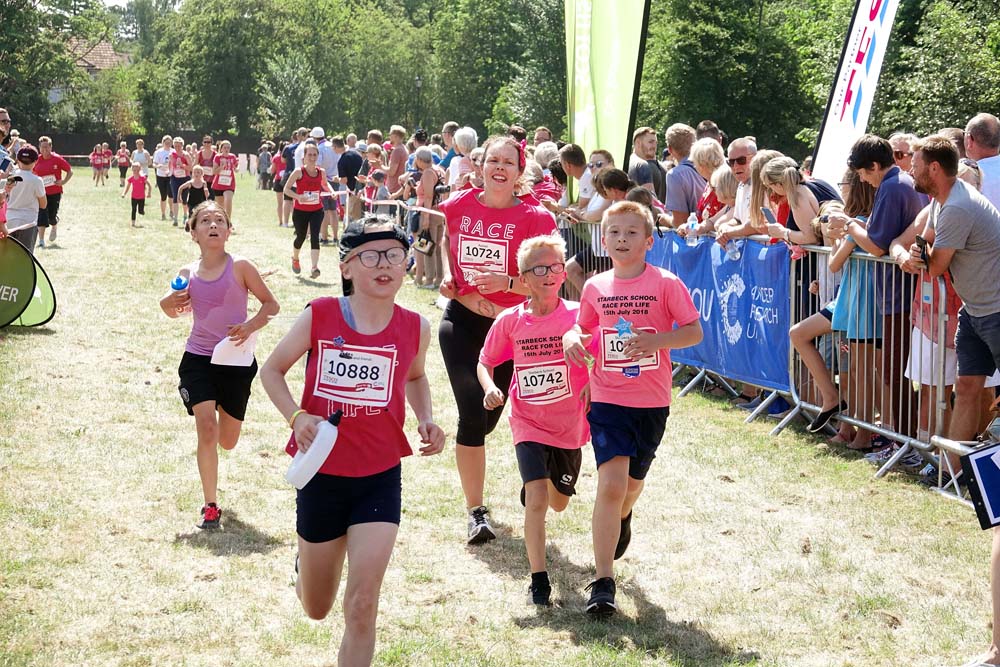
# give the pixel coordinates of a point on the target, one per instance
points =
(289, 92)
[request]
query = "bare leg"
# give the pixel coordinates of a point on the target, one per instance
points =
(472, 471)
(612, 489)
(320, 567)
(369, 547)
(803, 334)
(536, 504)
(208, 456)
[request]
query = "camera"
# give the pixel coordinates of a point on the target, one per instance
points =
(442, 189)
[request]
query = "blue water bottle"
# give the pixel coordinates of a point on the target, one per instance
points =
(177, 284)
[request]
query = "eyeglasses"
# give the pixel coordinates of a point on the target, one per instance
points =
(4, 121)
(741, 160)
(545, 269)
(371, 258)
(595, 165)
(970, 163)
(899, 155)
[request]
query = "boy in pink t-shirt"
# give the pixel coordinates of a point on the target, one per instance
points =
(630, 312)
(548, 398)
(139, 185)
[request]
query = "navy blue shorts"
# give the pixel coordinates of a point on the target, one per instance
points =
(616, 430)
(330, 504)
(977, 343)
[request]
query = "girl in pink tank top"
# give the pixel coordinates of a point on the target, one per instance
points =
(218, 365)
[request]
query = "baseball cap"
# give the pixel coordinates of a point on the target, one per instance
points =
(317, 133)
(27, 153)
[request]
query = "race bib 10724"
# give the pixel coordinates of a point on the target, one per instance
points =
(479, 255)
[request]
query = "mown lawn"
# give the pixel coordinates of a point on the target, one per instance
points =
(748, 549)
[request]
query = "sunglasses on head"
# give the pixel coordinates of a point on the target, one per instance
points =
(899, 155)
(741, 160)
(970, 163)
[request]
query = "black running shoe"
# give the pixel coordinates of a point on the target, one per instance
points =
(540, 594)
(823, 418)
(624, 537)
(211, 517)
(602, 597)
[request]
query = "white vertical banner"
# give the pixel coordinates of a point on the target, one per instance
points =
(850, 103)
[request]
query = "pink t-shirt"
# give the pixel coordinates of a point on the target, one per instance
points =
(613, 309)
(226, 180)
(485, 239)
(544, 392)
(138, 184)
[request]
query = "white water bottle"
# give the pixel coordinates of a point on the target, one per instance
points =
(307, 463)
(692, 224)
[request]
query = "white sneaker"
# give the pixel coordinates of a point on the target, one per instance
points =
(480, 530)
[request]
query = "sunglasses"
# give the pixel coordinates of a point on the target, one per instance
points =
(971, 164)
(741, 160)
(370, 258)
(206, 143)
(595, 165)
(545, 269)
(899, 155)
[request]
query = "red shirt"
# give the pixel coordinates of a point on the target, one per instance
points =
(226, 180)
(123, 157)
(365, 376)
(97, 160)
(207, 163)
(138, 184)
(178, 165)
(548, 189)
(50, 169)
(709, 202)
(277, 166)
(312, 186)
(107, 155)
(486, 239)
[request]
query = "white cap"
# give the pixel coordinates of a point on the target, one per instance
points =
(317, 133)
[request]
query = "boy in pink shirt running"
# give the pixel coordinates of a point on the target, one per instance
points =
(631, 311)
(548, 398)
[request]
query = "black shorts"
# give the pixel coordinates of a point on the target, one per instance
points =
(53, 207)
(538, 461)
(278, 185)
(591, 262)
(330, 504)
(228, 386)
(218, 193)
(617, 430)
(42, 219)
(163, 185)
(122, 171)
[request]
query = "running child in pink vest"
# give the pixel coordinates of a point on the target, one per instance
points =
(630, 313)
(216, 394)
(139, 186)
(365, 357)
(549, 399)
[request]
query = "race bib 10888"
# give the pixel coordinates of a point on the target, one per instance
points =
(355, 374)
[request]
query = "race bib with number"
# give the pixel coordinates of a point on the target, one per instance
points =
(311, 197)
(479, 255)
(355, 374)
(224, 178)
(179, 172)
(48, 181)
(613, 351)
(542, 383)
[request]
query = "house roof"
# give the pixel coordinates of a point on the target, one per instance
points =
(95, 57)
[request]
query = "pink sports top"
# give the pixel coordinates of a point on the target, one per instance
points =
(216, 305)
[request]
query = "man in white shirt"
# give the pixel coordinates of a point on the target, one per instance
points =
(741, 152)
(161, 160)
(25, 198)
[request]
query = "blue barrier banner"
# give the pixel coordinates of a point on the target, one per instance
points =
(743, 303)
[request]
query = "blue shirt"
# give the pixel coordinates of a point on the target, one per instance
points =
(896, 206)
(446, 162)
(413, 156)
(684, 187)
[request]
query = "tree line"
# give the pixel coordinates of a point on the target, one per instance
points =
(264, 67)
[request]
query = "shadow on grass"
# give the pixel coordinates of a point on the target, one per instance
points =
(235, 538)
(25, 332)
(650, 631)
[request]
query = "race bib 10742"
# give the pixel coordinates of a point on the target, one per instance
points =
(542, 383)
(355, 374)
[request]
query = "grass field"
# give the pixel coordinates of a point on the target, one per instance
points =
(747, 550)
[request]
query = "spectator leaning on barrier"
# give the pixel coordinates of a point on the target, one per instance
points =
(982, 144)
(897, 204)
(643, 167)
(684, 183)
(963, 234)
(737, 223)
(448, 136)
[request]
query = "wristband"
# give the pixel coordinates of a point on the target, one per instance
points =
(291, 420)
(510, 284)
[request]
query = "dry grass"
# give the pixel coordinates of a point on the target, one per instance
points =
(747, 549)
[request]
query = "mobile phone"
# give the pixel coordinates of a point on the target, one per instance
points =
(824, 218)
(769, 215)
(922, 244)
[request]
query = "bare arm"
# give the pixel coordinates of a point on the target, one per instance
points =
(250, 278)
(418, 394)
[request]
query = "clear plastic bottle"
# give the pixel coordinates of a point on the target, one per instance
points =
(692, 224)
(307, 463)
(177, 284)
(732, 250)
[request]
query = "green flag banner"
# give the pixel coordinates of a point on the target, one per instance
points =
(605, 41)
(26, 295)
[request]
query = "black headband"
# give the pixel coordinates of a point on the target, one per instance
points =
(356, 235)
